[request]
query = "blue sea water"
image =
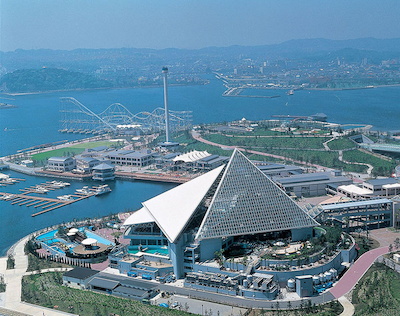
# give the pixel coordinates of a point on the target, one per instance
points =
(35, 118)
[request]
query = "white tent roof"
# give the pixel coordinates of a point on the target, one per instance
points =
(89, 241)
(192, 156)
(139, 217)
(173, 209)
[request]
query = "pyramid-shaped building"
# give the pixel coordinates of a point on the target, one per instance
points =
(204, 215)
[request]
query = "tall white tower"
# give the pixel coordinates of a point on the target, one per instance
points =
(165, 79)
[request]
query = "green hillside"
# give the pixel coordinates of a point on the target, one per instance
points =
(48, 79)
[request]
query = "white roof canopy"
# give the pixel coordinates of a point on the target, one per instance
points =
(139, 217)
(173, 209)
(192, 156)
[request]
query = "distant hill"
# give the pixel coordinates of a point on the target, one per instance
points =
(88, 60)
(48, 79)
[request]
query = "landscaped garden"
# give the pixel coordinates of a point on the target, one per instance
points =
(330, 309)
(378, 292)
(46, 290)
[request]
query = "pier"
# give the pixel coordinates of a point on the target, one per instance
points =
(47, 204)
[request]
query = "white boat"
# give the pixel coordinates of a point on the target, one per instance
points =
(101, 189)
(65, 198)
(56, 184)
(40, 189)
(7, 197)
(84, 190)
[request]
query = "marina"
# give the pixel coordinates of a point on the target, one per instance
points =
(48, 204)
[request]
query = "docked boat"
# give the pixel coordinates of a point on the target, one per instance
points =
(65, 198)
(40, 189)
(85, 190)
(101, 189)
(56, 184)
(7, 197)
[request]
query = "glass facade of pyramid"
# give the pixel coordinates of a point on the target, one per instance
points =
(248, 202)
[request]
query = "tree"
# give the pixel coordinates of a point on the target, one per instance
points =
(397, 243)
(390, 248)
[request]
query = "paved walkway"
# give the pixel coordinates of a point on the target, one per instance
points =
(356, 271)
(348, 307)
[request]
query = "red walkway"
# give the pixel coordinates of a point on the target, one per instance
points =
(356, 271)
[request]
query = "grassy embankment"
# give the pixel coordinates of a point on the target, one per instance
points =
(381, 167)
(311, 150)
(378, 292)
(41, 158)
(330, 309)
(46, 290)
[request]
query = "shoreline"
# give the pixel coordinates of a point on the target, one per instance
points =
(14, 94)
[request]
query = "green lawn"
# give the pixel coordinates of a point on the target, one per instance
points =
(69, 151)
(46, 290)
(269, 142)
(381, 167)
(378, 292)
(341, 143)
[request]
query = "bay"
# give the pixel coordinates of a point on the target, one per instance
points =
(35, 120)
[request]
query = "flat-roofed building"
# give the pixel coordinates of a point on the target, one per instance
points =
(140, 158)
(382, 187)
(277, 169)
(79, 277)
(373, 213)
(86, 164)
(61, 164)
(310, 184)
(354, 191)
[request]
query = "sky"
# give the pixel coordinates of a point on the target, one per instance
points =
(62, 24)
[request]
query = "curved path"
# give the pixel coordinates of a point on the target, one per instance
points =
(13, 278)
(356, 271)
(198, 137)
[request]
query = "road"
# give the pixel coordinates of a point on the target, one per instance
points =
(356, 271)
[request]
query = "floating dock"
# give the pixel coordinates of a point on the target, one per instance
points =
(47, 204)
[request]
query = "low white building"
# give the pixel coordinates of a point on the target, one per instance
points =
(61, 164)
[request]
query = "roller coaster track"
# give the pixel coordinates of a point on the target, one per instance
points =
(78, 118)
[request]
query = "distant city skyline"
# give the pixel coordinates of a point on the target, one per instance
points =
(53, 24)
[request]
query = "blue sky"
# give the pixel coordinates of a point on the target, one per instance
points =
(62, 24)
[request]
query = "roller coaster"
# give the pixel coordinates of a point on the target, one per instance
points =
(78, 118)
